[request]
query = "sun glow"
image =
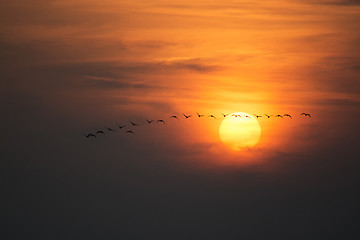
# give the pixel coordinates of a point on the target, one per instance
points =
(240, 131)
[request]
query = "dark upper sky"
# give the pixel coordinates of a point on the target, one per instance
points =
(75, 67)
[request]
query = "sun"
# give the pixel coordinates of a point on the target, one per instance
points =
(240, 131)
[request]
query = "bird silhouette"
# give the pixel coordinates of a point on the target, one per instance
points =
(161, 121)
(148, 121)
(279, 116)
(130, 132)
(187, 116)
(134, 124)
(175, 117)
(257, 116)
(89, 135)
(120, 126)
(98, 132)
(199, 115)
(212, 116)
(268, 116)
(287, 115)
(224, 115)
(247, 116)
(306, 114)
(110, 129)
(236, 115)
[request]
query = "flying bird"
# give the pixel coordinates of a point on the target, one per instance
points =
(174, 116)
(162, 121)
(257, 116)
(148, 121)
(212, 116)
(199, 115)
(306, 114)
(268, 116)
(134, 124)
(110, 129)
(287, 115)
(187, 116)
(120, 126)
(247, 116)
(98, 132)
(89, 135)
(236, 115)
(279, 116)
(130, 132)
(224, 114)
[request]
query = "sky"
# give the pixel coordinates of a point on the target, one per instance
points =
(70, 68)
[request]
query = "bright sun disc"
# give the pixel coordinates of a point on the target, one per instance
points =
(239, 132)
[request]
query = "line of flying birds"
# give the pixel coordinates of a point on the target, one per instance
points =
(100, 132)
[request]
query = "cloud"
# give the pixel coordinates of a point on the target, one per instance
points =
(336, 2)
(339, 73)
(341, 62)
(150, 44)
(340, 102)
(107, 83)
(195, 65)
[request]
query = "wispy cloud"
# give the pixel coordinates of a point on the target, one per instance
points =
(108, 83)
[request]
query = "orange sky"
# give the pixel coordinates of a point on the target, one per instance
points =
(144, 59)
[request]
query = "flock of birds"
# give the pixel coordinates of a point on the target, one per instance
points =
(132, 124)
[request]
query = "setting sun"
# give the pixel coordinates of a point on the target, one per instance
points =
(240, 131)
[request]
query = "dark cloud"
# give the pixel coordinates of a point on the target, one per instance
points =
(340, 102)
(152, 44)
(344, 62)
(52, 69)
(338, 73)
(35, 53)
(337, 2)
(100, 83)
(195, 65)
(56, 16)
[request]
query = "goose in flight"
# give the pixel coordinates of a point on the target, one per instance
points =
(161, 121)
(236, 115)
(110, 129)
(288, 115)
(134, 124)
(98, 132)
(247, 116)
(130, 132)
(279, 116)
(306, 114)
(224, 115)
(268, 116)
(89, 135)
(257, 116)
(174, 116)
(148, 121)
(120, 126)
(187, 116)
(199, 115)
(212, 116)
